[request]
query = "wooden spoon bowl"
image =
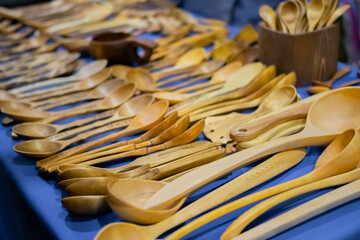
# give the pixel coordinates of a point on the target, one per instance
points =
(86, 205)
(127, 203)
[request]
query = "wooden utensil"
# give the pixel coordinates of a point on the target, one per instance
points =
(265, 104)
(317, 131)
(337, 75)
(153, 132)
(43, 130)
(305, 211)
(84, 72)
(337, 13)
(122, 191)
(241, 222)
(220, 76)
(335, 160)
(115, 99)
(136, 167)
(268, 15)
(126, 111)
(173, 131)
(281, 130)
(314, 12)
(289, 15)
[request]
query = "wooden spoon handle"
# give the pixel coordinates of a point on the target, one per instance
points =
(304, 212)
(240, 223)
(248, 180)
(248, 131)
(64, 100)
(357, 81)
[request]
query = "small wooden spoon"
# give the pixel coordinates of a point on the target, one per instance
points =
(115, 99)
(334, 160)
(336, 76)
(338, 12)
(314, 12)
(143, 80)
(289, 15)
(83, 73)
(268, 15)
(318, 130)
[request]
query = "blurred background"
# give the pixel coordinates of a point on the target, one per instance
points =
(241, 12)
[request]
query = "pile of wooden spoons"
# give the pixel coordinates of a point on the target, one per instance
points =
(301, 16)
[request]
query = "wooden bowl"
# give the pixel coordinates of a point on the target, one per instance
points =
(312, 55)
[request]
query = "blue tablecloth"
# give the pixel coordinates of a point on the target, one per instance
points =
(31, 208)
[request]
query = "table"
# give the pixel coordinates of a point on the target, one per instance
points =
(30, 206)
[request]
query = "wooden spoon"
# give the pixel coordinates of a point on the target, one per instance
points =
(220, 76)
(336, 76)
(266, 104)
(309, 209)
(85, 84)
(126, 111)
(268, 15)
(338, 12)
(136, 167)
(314, 12)
(123, 203)
(115, 99)
(83, 73)
(321, 127)
(335, 160)
(205, 68)
(153, 132)
(289, 15)
(338, 158)
(86, 205)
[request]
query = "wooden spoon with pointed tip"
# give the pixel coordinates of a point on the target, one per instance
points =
(268, 15)
(115, 99)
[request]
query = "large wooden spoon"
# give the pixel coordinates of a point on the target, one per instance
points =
(334, 160)
(115, 99)
(321, 127)
(122, 195)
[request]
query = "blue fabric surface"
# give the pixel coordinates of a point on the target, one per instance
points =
(43, 199)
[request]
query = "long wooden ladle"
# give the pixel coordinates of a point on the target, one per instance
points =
(333, 161)
(132, 202)
(83, 73)
(321, 127)
(115, 99)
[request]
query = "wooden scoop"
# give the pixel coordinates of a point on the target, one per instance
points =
(309, 209)
(337, 158)
(124, 204)
(334, 160)
(83, 73)
(113, 100)
(321, 127)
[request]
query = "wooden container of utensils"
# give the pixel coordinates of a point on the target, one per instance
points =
(312, 55)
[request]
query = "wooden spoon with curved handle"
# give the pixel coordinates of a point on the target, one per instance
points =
(304, 212)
